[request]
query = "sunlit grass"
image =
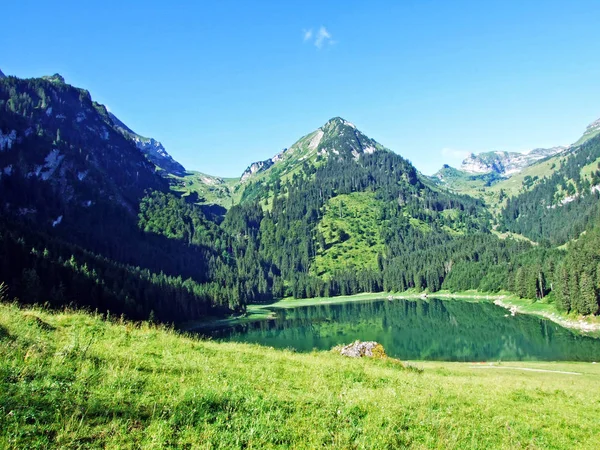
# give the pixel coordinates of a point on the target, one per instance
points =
(72, 380)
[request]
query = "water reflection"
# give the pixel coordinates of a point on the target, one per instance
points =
(423, 329)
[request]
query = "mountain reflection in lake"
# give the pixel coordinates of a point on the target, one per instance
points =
(419, 330)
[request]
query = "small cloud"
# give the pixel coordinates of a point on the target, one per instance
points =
(321, 38)
(452, 153)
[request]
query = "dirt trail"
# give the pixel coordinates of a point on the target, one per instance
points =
(528, 369)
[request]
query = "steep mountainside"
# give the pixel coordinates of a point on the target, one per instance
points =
(153, 149)
(2, 75)
(494, 176)
(83, 210)
(505, 163)
(592, 130)
(55, 140)
(562, 204)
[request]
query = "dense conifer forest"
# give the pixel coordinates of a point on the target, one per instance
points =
(85, 212)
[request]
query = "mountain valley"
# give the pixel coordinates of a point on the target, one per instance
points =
(336, 213)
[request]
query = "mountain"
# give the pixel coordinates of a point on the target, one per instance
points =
(154, 150)
(55, 139)
(338, 138)
(2, 75)
(83, 210)
(488, 173)
(505, 163)
(592, 130)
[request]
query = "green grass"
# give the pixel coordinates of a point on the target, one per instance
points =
(586, 171)
(73, 380)
(351, 229)
(586, 137)
(210, 189)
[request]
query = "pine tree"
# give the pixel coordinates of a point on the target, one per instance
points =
(563, 297)
(588, 294)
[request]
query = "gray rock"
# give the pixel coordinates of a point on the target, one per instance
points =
(361, 349)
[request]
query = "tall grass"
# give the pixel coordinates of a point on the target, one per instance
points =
(74, 380)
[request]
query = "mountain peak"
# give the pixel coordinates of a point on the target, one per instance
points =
(337, 121)
(2, 75)
(56, 78)
(338, 139)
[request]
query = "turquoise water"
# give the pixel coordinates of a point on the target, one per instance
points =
(429, 329)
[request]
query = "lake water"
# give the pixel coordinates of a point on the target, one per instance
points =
(429, 329)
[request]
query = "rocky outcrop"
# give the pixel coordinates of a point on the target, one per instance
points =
(505, 163)
(259, 166)
(151, 148)
(358, 349)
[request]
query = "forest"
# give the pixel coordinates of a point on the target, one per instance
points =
(93, 215)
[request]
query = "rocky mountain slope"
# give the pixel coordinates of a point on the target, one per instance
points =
(494, 171)
(592, 130)
(55, 140)
(153, 149)
(338, 138)
(505, 163)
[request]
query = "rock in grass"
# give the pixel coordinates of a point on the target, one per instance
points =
(360, 349)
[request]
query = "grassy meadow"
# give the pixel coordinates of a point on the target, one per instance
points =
(75, 380)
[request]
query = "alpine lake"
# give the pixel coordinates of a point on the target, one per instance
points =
(423, 329)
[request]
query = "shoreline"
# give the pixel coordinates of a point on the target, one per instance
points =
(505, 300)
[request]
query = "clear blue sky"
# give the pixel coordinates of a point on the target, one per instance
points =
(224, 83)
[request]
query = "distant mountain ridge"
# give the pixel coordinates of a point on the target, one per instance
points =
(485, 169)
(2, 75)
(506, 163)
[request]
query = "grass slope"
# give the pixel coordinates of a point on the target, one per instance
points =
(351, 229)
(72, 380)
(209, 189)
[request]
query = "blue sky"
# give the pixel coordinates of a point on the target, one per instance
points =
(225, 83)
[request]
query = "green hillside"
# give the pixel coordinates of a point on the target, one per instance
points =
(72, 380)
(351, 234)
(201, 188)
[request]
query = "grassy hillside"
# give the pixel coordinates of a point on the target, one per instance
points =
(72, 380)
(207, 189)
(351, 231)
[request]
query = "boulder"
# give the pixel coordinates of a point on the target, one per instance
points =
(360, 349)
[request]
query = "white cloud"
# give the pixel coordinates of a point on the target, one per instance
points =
(321, 38)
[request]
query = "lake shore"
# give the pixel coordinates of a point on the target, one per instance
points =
(516, 305)
(79, 375)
